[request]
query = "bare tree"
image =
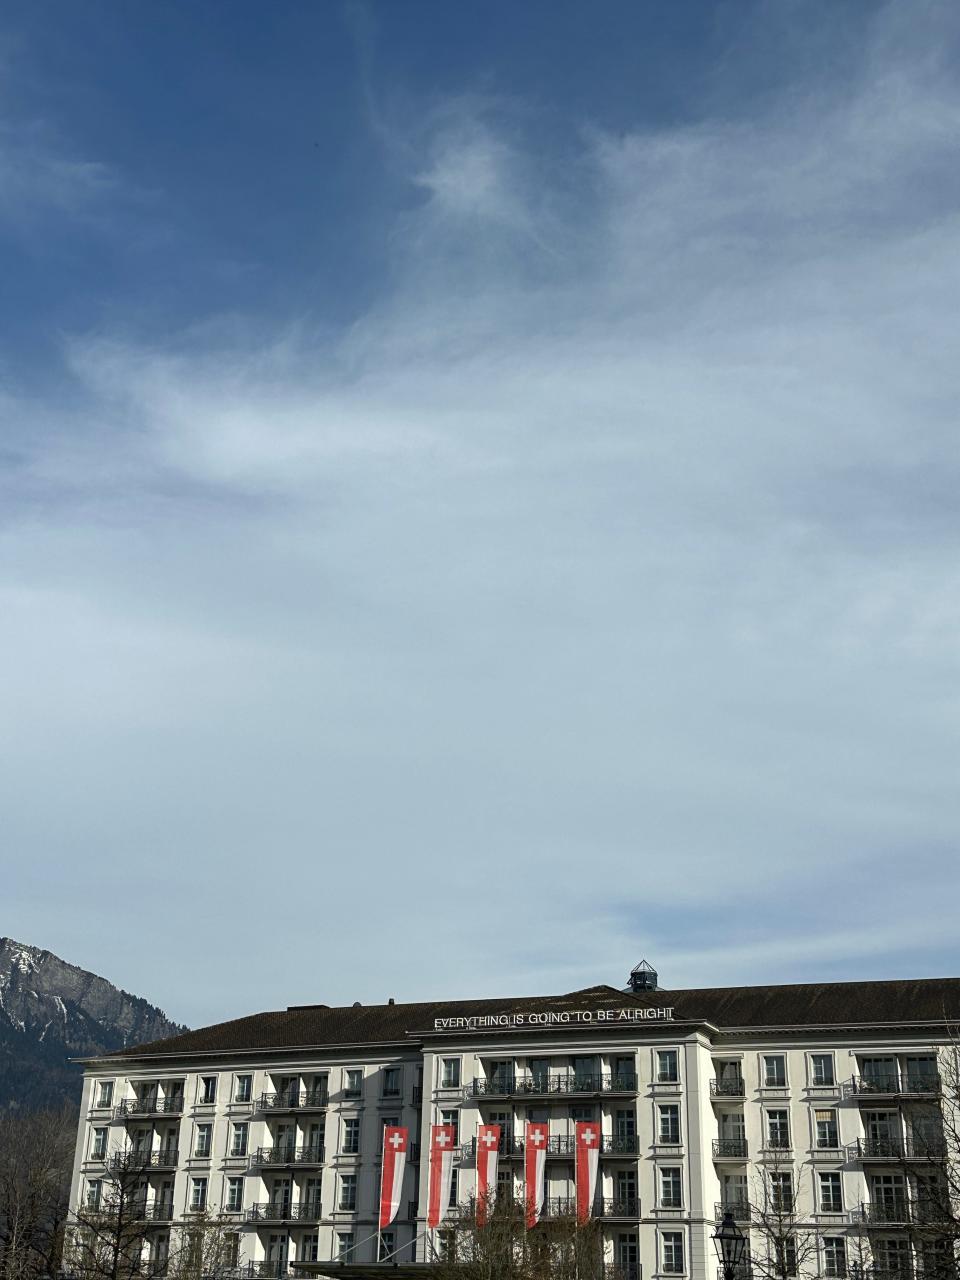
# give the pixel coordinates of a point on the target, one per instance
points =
(36, 1156)
(788, 1247)
(206, 1248)
(111, 1235)
(558, 1248)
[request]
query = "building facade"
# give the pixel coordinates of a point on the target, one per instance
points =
(813, 1113)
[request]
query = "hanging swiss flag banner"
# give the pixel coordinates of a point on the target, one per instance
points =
(488, 1147)
(588, 1155)
(443, 1138)
(396, 1143)
(534, 1163)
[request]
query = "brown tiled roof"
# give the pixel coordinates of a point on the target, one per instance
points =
(833, 1004)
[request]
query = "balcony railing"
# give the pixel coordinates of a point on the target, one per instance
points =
(287, 1155)
(726, 1088)
(512, 1145)
(164, 1158)
(152, 1106)
(282, 1211)
(742, 1271)
(622, 1271)
(287, 1100)
(554, 1084)
(916, 1147)
(729, 1148)
(913, 1084)
(884, 1212)
(742, 1210)
(159, 1211)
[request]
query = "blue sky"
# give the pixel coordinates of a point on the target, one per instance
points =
(482, 476)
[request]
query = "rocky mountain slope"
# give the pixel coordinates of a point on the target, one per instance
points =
(51, 1011)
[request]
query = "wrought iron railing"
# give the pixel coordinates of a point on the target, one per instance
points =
(158, 1211)
(282, 1211)
(289, 1155)
(727, 1088)
(163, 1158)
(550, 1084)
(897, 1210)
(742, 1210)
(912, 1084)
(152, 1106)
(729, 1148)
(558, 1145)
(302, 1100)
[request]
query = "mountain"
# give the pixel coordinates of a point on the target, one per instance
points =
(51, 1011)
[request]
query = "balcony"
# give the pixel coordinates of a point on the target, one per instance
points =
(159, 1211)
(619, 1207)
(622, 1271)
(729, 1148)
(888, 1150)
(743, 1271)
(895, 1212)
(563, 1084)
(280, 1211)
(285, 1156)
(870, 1088)
(164, 1158)
(742, 1210)
(727, 1088)
(558, 1145)
(139, 1108)
(306, 1100)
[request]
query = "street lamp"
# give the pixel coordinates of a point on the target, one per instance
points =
(730, 1243)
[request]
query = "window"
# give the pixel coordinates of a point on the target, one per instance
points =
(104, 1093)
(351, 1135)
(94, 1193)
(310, 1249)
(827, 1132)
(234, 1195)
(238, 1140)
(348, 1191)
(388, 1245)
(778, 1130)
(450, 1074)
(821, 1069)
(834, 1256)
(391, 1082)
(352, 1083)
(831, 1194)
(454, 1188)
(774, 1071)
(785, 1256)
(672, 1245)
(671, 1196)
(208, 1089)
(231, 1249)
(668, 1066)
(198, 1193)
(452, 1118)
(668, 1133)
(345, 1241)
(781, 1192)
(99, 1148)
(244, 1089)
(204, 1138)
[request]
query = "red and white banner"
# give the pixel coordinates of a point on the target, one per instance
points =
(488, 1148)
(534, 1163)
(443, 1138)
(396, 1143)
(588, 1155)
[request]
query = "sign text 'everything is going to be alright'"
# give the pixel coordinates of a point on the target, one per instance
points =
(553, 1017)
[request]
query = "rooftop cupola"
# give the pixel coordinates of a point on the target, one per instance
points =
(643, 977)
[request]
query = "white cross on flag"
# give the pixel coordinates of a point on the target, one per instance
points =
(443, 1138)
(588, 1153)
(488, 1147)
(534, 1163)
(396, 1141)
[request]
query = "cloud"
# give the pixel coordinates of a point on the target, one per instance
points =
(609, 557)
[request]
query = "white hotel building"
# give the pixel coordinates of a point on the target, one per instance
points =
(825, 1098)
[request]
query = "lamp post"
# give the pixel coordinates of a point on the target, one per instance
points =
(730, 1244)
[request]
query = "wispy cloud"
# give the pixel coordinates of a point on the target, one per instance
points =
(611, 553)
